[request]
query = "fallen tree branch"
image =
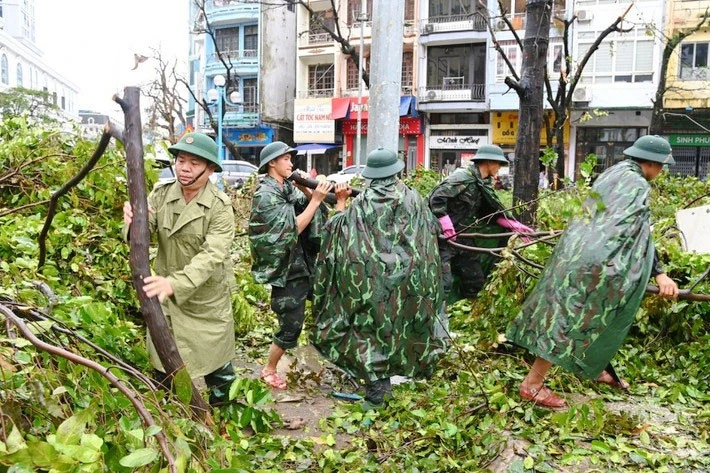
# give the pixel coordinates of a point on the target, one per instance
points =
(117, 383)
(100, 149)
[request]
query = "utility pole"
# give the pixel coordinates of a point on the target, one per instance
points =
(385, 75)
(362, 18)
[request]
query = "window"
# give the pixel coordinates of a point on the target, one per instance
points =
(694, 61)
(64, 103)
(249, 95)
(20, 82)
(320, 80)
(354, 11)
(227, 40)
(4, 73)
(409, 10)
(251, 40)
(555, 58)
(448, 8)
(407, 70)
(447, 66)
(352, 79)
(625, 58)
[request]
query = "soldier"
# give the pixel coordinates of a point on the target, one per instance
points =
(378, 282)
(194, 224)
(587, 297)
(283, 233)
(466, 202)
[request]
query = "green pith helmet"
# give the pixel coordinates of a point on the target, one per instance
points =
(382, 163)
(490, 153)
(651, 148)
(273, 151)
(200, 145)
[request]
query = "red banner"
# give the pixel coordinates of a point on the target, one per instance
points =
(407, 126)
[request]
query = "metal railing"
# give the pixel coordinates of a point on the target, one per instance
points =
(452, 93)
(246, 55)
(315, 93)
(444, 24)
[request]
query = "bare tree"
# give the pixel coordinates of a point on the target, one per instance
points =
(535, 75)
(166, 109)
(670, 43)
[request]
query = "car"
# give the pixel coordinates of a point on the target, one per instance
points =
(234, 173)
(347, 174)
(166, 169)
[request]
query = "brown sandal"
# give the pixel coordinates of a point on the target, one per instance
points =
(607, 378)
(542, 396)
(273, 379)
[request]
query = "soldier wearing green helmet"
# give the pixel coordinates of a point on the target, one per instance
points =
(591, 288)
(378, 281)
(193, 276)
(466, 202)
(284, 228)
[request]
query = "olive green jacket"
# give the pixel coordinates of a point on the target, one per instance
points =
(194, 242)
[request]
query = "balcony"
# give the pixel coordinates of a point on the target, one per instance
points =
(239, 117)
(315, 93)
(453, 90)
(447, 24)
(312, 38)
(244, 61)
(221, 12)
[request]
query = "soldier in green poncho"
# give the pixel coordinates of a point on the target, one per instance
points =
(587, 297)
(465, 202)
(283, 233)
(378, 282)
(194, 224)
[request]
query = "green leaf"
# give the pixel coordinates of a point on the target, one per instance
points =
(140, 457)
(183, 385)
(153, 430)
(528, 463)
(69, 432)
(15, 441)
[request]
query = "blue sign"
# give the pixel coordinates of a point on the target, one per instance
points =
(258, 136)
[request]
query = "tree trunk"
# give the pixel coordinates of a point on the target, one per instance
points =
(139, 242)
(530, 92)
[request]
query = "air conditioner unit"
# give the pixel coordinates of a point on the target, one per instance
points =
(431, 95)
(429, 28)
(582, 94)
(500, 25)
(584, 15)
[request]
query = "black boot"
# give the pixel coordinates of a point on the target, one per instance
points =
(219, 382)
(377, 392)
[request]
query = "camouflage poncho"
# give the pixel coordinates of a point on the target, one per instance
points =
(278, 252)
(473, 206)
(378, 285)
(581, 309)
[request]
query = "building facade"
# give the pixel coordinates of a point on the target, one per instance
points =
(331, 101)
(21, 63)
(253, 48)
(686, 104)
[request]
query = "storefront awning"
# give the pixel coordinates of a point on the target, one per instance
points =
(316, 148)
(340, 108)
(408, 106)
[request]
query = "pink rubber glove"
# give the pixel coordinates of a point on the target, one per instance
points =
(515, 226)
(447, 227)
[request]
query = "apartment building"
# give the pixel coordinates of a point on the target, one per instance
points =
(686, 116)
(258, 51)
(330, 97)
(21, 63)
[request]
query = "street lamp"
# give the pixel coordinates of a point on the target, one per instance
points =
(218, 95)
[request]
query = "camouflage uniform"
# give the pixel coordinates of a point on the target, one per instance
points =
(581, 309)
(281, 257)
(378, 286)
(468, 200)
(194, 242)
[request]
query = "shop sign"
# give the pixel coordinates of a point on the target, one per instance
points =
(250, 136)
(505, 128)
(407, 126)
(457, 142)
(312, 122)
(689, 140)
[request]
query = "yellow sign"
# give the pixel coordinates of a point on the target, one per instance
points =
(505, 128)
